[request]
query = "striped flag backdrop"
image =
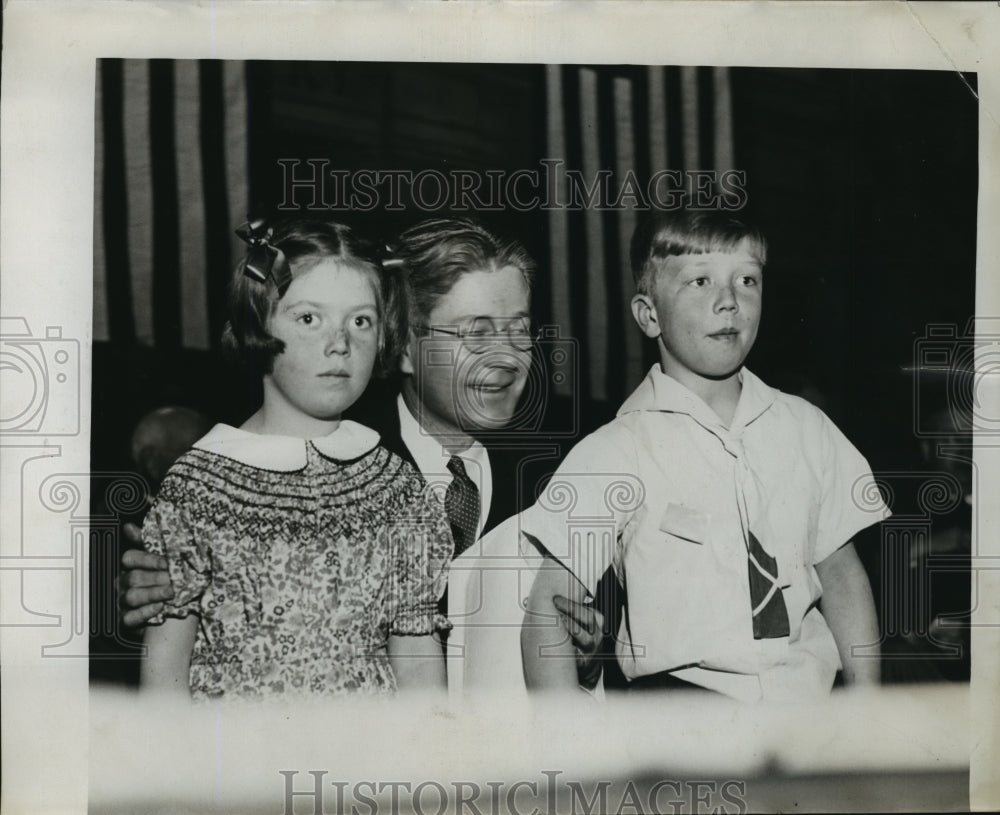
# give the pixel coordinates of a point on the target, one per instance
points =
(643, 119)
(170, 182)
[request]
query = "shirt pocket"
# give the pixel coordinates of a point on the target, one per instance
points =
(687, 523)
(672, 553)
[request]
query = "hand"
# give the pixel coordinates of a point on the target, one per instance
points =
(144, 584)
(585, 625)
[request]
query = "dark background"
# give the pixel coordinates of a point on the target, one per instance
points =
(864, 182)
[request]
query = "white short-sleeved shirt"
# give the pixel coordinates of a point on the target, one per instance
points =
(655, 494)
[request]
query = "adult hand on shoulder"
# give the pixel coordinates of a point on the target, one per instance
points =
(144, 582)
(586, 627)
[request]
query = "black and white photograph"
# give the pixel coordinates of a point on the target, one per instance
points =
(423, 439)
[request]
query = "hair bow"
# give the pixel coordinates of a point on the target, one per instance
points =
(389, 258)
(263, 260)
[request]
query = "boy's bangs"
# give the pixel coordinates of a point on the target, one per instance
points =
(705, 238)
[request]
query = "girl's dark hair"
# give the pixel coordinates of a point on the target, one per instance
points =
(306, 241)
(688, 232)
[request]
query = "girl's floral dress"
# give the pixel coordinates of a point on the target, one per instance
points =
(300, 558)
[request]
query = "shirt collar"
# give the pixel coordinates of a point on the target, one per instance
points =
(287, 453)
(431, 458)
(661, 392)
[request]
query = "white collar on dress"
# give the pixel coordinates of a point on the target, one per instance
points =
(287, 453)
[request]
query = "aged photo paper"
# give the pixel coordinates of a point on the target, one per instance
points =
(863, 138)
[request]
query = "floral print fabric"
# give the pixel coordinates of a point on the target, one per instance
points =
(299, 578)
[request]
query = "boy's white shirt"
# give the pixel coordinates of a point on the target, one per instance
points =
(638, 456)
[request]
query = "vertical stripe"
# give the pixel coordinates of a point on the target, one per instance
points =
(99, 329)
(193, 317)
(657, 96)
(237, 167)
(642, 132)
(558, 221)
(115, 213)
(641, 127)
(166, 219)
(526, 224)
(706, 119)
(597, 317)
(675, 121)
(626, 160)
(689, 112)
(215, 174)
(138, 180)
(724, 159)
(577, 232)
(610, 271)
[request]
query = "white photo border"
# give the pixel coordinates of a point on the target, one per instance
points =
(50, 50)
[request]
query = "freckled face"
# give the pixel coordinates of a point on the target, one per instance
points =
(329, 322)
(708, 310)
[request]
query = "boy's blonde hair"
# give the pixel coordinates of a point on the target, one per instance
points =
(688, 232)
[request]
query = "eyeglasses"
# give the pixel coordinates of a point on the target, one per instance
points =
(483, 333)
